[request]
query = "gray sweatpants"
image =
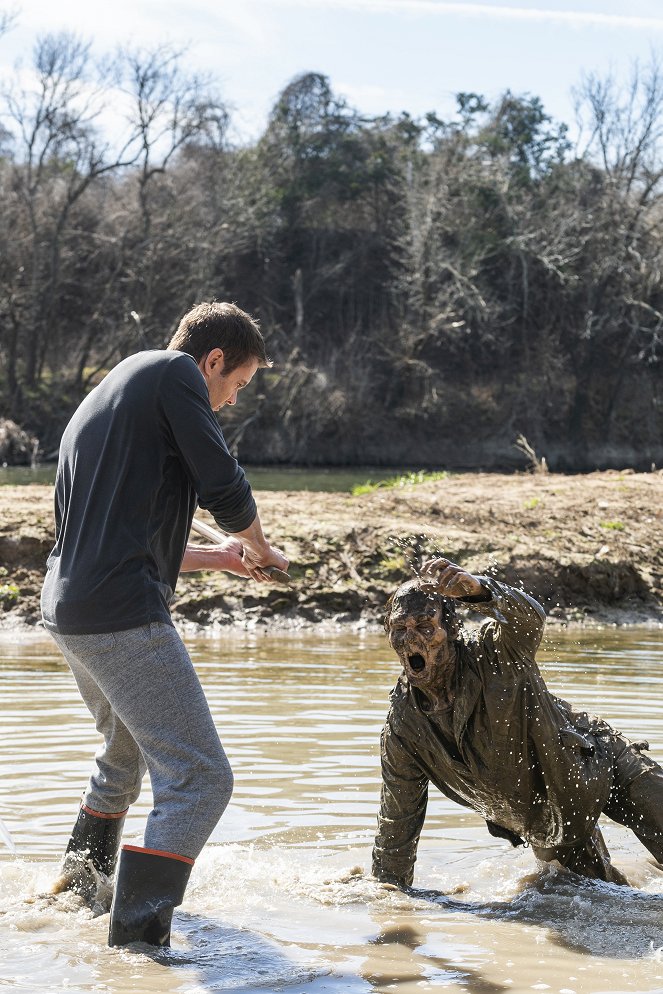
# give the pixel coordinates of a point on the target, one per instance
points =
(145, 696)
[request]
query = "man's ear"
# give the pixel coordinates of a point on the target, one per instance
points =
(212, 362)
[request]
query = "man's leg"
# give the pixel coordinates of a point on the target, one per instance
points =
(115, 783)
(636, 798)
(150, 706)
(163, 705)
(116, 780)
(589, 859)
(154, 691)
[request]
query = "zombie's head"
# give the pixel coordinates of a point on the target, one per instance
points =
(421, 625)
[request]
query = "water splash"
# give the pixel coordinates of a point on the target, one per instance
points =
(5, 835)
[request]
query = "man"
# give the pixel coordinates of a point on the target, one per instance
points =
(141, 452)
(473, 716)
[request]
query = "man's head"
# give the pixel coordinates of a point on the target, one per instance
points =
(226, 343)
(421, 625)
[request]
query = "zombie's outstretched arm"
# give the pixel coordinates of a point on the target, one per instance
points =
(402, 811)
(519, 619)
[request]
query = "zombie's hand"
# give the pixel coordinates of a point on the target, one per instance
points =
(451, 580)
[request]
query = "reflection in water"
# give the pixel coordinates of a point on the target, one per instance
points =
(282, 896)
(422, 967)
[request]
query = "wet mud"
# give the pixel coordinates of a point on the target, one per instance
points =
(590, 548)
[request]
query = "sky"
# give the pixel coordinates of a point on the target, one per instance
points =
(381, 55)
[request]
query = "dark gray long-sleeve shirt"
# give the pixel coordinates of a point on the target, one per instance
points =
(142, 450)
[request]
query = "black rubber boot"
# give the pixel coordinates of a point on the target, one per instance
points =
(148, 886)
(91, 851)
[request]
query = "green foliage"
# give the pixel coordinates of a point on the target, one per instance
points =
(9, 594)
(521, 131)
(393, 567)
(617, 526)
(406, 480)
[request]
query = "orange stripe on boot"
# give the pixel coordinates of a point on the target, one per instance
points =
(103, 814)
(160, 852)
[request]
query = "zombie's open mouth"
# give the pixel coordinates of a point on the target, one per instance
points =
(417, 662)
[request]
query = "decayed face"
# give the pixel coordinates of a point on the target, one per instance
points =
(418, 637)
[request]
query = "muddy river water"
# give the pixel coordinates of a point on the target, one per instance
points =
(282, 898)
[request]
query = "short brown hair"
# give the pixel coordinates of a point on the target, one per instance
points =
(222, 326)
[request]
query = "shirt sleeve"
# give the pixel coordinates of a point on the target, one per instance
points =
(215, 474)
(403, 801)
(518, 620)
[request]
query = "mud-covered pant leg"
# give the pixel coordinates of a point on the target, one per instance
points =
(636, 798)
(589, 859)
(148, 681)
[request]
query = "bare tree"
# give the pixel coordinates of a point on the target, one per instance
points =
(7, 20)
(58, 153)
(70, 203)
(168, 111)
(619, 333)
(623, 127)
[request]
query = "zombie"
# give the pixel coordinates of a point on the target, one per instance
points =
(472, 715)
(142, 451)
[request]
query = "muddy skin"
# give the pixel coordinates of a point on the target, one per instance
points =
(421, 626)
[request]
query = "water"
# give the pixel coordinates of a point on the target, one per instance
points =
(327, 480)
(281, 899)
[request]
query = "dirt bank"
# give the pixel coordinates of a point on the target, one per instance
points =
(590, 548)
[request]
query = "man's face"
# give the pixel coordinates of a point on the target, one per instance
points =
(223, 387)
(421, 642)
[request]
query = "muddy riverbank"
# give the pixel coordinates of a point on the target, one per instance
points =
(590, 548)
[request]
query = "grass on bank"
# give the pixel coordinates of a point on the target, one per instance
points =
(406, 480)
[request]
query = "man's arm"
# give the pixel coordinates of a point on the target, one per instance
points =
(234, 556)
(519, 619)
(222, 488)
(226, 556)
(403, 801)
(258, 553)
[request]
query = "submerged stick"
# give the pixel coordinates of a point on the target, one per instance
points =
(215, 535)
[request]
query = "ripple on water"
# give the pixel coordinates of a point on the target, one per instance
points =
(283, 898)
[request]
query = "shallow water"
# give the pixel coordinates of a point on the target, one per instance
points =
(281, 898)
(333, 479)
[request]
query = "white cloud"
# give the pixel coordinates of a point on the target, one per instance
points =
(573, 18)
(146, 23)
(371, 97)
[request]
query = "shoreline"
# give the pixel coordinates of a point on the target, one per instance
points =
(20, 632)
(589, 548)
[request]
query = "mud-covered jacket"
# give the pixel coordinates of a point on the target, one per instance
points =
(520, 757)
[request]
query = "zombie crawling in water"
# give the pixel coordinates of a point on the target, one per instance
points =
(472, 715)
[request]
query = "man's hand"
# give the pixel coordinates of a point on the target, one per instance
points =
(246, 553)
(259, 554)
(255, 562)
(233, 556)
(227, 556)
(452, 580)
